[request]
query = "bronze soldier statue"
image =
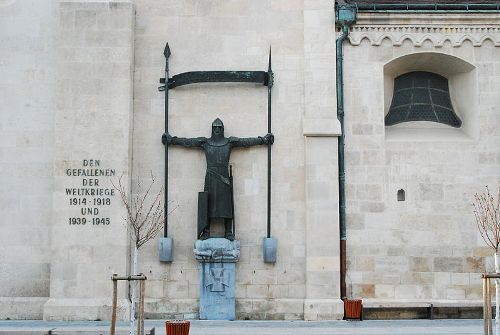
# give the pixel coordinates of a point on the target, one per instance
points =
(218, 183)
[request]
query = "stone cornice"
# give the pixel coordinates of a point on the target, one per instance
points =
(418, 28)
(429, 19)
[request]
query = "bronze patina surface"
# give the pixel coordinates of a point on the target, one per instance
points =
(218, 182)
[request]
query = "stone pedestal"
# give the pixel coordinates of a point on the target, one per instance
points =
(217, 257)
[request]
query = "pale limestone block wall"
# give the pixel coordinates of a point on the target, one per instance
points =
(93, 121)
(236, 35)
(26, 150)
(86, 80)
(321, 128)
(427, 247)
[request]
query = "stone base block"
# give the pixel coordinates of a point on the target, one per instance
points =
(270, 309)
(323, 309)
(84, 309)
(250, 309)
(166, 308)
(22, 308)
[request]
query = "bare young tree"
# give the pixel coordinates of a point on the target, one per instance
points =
(145, 219)
(487, 212)
(145, 211)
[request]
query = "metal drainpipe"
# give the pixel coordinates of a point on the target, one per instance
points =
(345, 16)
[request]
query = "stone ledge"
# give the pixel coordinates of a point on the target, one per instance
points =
(323, 309)
(396, 304)
(404, 303)
(430, 20)
(29, 308)
(163, 308)
(270, 309)
(83, 309)
(457, 303)
(246, 309)
(41, 330)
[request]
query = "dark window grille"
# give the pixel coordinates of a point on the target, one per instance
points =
(401, 195)
(422, 96)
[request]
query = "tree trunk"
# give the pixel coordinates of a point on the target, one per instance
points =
(133, 292)
(497, 293)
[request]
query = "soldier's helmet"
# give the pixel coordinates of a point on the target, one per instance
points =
(218, 123)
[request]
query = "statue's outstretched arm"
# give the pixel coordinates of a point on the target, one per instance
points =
(251, 141)
(185, 142)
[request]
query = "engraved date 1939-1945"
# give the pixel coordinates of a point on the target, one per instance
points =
(84, 221)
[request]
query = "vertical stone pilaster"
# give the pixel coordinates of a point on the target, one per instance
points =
(321, 129)
(322, 226)
(89, 241)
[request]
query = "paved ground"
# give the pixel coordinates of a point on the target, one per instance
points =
(368, 327)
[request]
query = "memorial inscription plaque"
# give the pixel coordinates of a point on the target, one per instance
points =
(93, 195)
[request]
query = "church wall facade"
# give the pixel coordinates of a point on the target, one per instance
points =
(426, 247)
(102, 61)
(237, 35)
(80, 94)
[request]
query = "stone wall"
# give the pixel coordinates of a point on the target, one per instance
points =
(427, 247)
(26, 151)
(93, 122)
(80, 92)
(84, 82)
(67, 98)
(236, 35)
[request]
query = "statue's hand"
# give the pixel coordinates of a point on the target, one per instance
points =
(166, 138)
(269, 139)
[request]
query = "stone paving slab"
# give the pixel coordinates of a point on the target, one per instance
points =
(369, 327)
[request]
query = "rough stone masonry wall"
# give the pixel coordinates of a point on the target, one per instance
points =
(26, 150)
(426, 248)
(231, 35)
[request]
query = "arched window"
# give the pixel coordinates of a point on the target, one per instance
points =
(421, 96)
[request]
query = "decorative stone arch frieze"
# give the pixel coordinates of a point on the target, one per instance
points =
(418, 35)
(438, 29)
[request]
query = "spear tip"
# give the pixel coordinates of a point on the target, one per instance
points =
(167, 52)
(269, 67)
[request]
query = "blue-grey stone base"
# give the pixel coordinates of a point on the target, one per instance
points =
(217, 257)
(217, 286)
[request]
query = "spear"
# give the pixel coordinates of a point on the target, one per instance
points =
(269, 86)
(166, 53)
